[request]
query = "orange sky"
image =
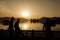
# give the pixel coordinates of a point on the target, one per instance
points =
(36, 8)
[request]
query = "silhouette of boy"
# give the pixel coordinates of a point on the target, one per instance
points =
(17, 29)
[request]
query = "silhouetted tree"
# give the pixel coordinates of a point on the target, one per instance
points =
(33, 20)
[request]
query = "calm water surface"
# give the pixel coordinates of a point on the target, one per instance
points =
(31, 26)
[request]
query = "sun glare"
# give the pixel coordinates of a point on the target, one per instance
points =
(25, 13)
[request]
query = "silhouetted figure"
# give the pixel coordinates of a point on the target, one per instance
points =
(47, 26)
(11, 31)
(17, 29)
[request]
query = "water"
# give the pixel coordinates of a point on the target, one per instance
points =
(31, 26)
(25, 26)
(37, 26)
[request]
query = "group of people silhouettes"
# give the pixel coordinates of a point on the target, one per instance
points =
(47, 25)
(16, 26)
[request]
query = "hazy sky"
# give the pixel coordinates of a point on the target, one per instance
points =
(36, 8)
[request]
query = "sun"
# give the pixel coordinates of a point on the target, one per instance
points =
(25, 13)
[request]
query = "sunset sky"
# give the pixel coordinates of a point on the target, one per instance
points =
(32, 8)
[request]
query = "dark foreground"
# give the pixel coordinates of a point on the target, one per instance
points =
(28, 35)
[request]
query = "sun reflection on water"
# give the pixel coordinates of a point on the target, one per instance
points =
(24, 26)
